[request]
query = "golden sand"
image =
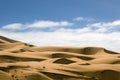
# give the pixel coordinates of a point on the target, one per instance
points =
(21, 61)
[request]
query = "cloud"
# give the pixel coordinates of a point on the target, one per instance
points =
(110, 41)
(83, 19)
(37, 24)
(44, 24)
(79, 19)
(13, 26)
(100, 34)
(105, 26)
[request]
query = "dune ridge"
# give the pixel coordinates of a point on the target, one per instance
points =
(22, 61)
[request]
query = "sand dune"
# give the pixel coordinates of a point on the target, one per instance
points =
(22, 61)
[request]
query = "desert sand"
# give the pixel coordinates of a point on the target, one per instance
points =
(22, 61)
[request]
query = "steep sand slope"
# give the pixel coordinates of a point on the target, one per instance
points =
(21, 61)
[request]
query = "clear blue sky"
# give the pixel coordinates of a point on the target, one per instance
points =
(12, 11)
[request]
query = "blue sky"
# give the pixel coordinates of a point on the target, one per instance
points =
(12, 11)
(62, 22)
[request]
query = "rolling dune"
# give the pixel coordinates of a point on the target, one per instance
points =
(22, 61)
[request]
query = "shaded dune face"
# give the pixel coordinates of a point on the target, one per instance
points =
(22, 61)
(63, 61)
(7, 39)
(110, 75)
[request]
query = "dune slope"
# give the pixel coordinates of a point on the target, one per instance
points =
(22, 61)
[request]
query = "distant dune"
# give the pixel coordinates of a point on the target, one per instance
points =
(22, 61)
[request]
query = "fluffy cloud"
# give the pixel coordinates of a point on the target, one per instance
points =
(101, 34)
(37, 24)
(110, 41)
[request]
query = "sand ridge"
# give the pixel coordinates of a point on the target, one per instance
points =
(22, 61)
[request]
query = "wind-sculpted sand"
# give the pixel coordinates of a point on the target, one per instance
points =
(21, 61)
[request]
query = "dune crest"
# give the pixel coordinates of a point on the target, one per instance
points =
(22, 61)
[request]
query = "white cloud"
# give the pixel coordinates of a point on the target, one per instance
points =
(37, 24)
(13, 26)
(96, 34)
(63, 38)
(105, 26)
(79, 19)
(44, 24)
(83, 19)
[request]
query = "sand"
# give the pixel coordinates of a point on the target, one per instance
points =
(22, 61)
